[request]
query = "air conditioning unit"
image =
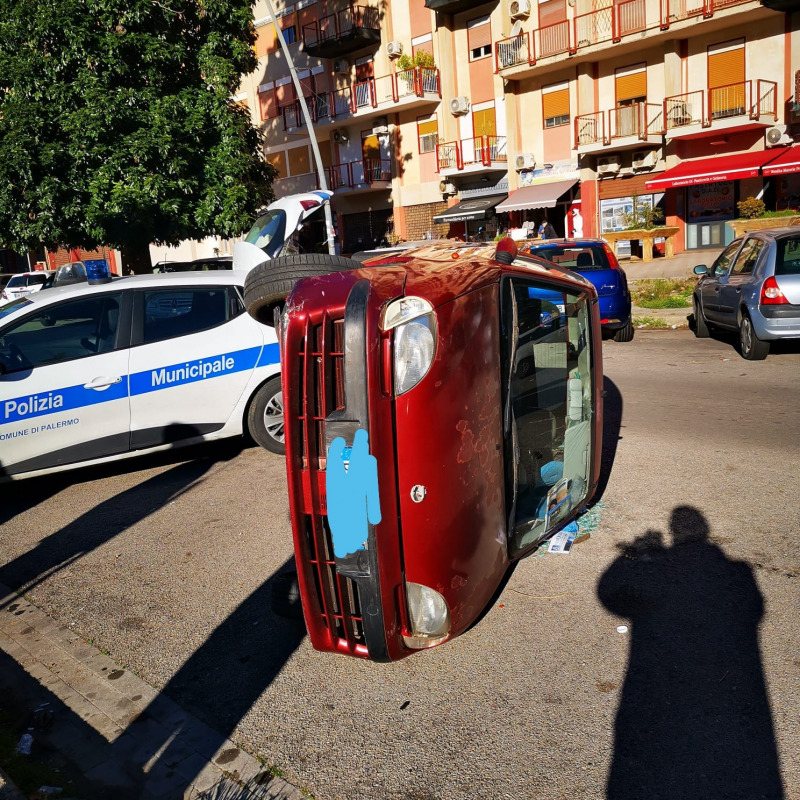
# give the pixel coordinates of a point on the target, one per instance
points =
(777, 136)
(341, 66)
(394, 49)
(524, 161)
(608, 165)
(644, 159)
(459, 106)
(519, 9)
(445, 187)
(341, 136)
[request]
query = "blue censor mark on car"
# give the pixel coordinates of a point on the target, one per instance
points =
(351, 484)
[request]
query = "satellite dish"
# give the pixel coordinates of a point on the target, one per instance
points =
(516, 30)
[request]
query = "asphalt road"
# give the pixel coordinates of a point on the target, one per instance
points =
(166, 564)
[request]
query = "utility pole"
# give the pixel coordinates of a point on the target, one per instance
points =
(323, 184)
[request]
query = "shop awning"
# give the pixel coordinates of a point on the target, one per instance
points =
(467, 210)
(711, 170)
(788, 160)
(542, 195)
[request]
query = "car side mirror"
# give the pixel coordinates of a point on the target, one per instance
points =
(700, 269)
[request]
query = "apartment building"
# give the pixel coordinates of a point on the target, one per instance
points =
(530, 108)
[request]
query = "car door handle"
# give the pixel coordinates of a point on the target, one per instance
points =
(101, 383)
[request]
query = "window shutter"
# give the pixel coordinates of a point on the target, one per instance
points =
(299, 161)
(480, 35)
(726, 67)
(631, 85)
(556, 104)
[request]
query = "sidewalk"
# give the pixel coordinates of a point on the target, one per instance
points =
(125, 739)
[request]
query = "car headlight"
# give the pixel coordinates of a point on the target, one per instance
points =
(414, 323)
(429, 616)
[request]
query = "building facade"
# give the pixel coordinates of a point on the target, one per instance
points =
(444, 117)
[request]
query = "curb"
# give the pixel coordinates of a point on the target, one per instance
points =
(123, 735)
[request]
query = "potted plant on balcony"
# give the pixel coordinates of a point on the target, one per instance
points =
(407, 69)
(753, 216)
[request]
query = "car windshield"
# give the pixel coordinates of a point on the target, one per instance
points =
(10, 308)
(548, 408)
(17, 280)
(582, 257)
(787, 258)
(268, 232)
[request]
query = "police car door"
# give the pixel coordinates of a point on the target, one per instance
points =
(194, 352)
(64, 387)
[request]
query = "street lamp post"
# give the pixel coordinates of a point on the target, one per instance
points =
(323, 184)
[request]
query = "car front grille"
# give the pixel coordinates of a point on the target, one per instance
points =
(321, 372)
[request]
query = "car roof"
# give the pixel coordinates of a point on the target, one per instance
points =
(157, 281)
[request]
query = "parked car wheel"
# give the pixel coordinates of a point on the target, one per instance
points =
(700, 324)
(753, 348)
(269, 284)
(625, 334)
(265, 417)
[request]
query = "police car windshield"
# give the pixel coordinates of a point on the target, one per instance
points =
(268, 232)
(10, 308)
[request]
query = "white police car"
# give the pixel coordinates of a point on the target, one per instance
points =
(93, 373)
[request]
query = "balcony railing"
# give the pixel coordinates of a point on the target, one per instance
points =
(480, 150)
(366, 94)
(366, 172)
(755, 99)
(638, 120)
(343, 32)
(610, 24)
(677, 10)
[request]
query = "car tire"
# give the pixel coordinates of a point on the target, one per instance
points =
(285, 596)
(269, 284)
(752, 348)
(700, 324)
(265, 417)
(625, 333)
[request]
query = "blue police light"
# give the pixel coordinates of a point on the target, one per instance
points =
(97, 271)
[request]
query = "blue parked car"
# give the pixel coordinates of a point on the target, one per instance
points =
(593, 259)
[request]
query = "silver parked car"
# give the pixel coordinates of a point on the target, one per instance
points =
(753, 287)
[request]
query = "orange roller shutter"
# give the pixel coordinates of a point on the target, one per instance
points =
(631, 86)
(556, 104)
(480, 36)
(726, 67)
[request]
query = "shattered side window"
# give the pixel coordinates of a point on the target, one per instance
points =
(548, 408)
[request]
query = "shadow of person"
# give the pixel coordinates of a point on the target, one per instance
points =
(694, 719)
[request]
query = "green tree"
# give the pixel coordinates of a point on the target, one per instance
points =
(117, 125)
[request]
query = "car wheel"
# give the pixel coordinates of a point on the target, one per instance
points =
(624, 334)
(285, 596)
(269, 284)
(265, 417)
(753, 348)
(700, 324)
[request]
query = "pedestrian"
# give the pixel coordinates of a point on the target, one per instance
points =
(546, 230)
(577, 223)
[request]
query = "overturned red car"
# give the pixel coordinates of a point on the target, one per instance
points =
(443, 417)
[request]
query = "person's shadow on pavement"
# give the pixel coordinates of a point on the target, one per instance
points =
(694, 718)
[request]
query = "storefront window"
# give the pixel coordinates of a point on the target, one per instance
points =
(614, 214)
(708, 208)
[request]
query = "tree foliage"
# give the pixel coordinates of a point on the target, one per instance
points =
(117, 125)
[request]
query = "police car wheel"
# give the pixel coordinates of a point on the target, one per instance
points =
(269, 284)
(265, 417)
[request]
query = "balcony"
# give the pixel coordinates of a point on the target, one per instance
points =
(624, 127)
(402, 90)
(736, 107)
(584, 32)
(348, 31)
(358, 176)
(453, 6)
(472, 156)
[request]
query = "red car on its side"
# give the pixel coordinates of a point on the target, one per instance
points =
(443, 417)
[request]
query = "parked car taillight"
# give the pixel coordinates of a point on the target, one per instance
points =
(771, 294)
(612, 259)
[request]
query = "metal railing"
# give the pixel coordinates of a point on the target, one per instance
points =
(756, 98)
(638, 119)
(350, 174)
(677, 10)
(484, 150)
(590, 129)
(681, 110)
(551, 40)
(593, 28)
(629, 17)
(513, 51)
(368, 93)
(341, 24)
